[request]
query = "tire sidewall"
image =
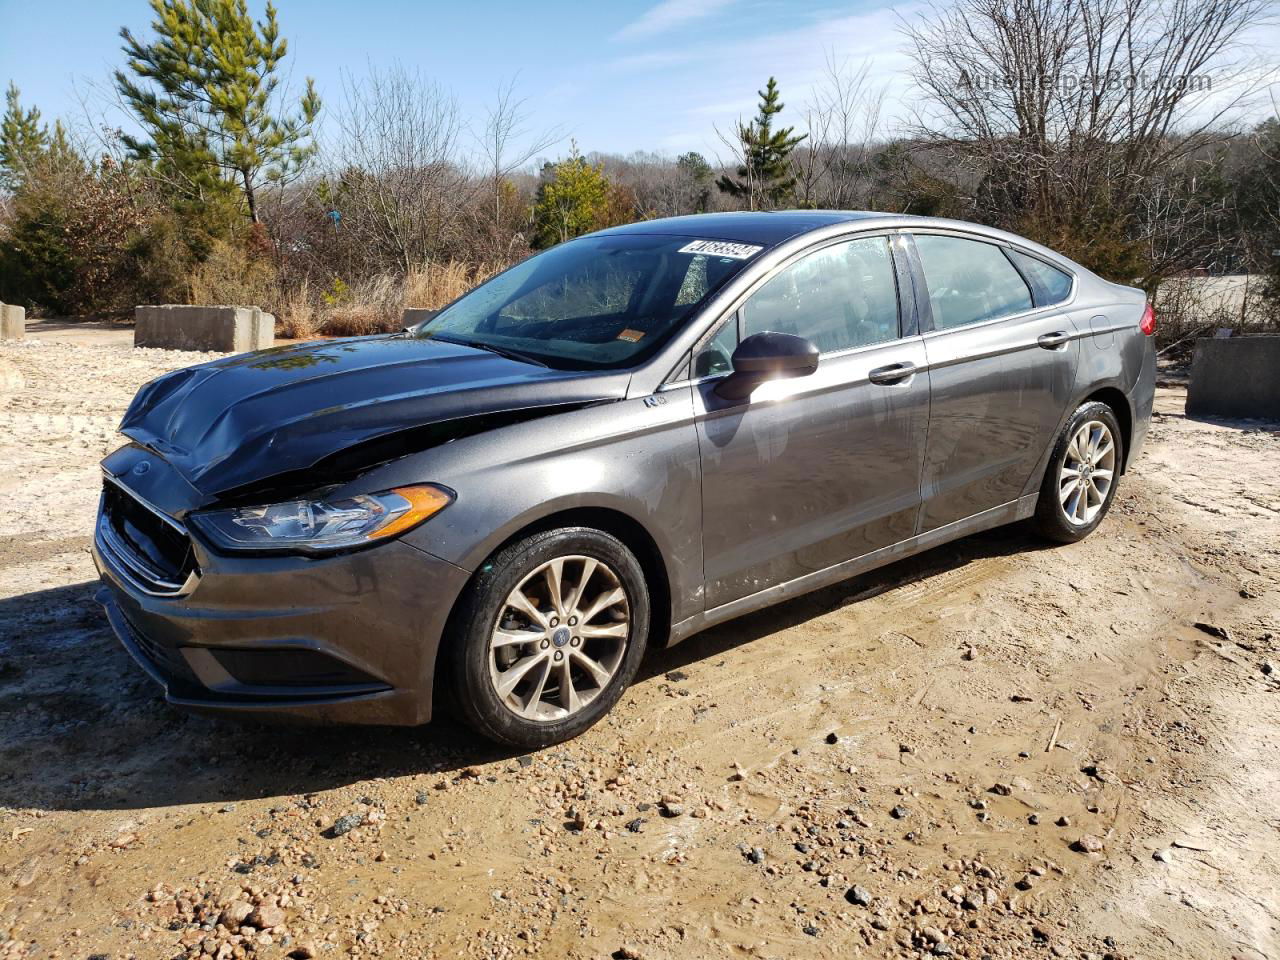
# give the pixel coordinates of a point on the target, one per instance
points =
(1049, 511)
(490, 588)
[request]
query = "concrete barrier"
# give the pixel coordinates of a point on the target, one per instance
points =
(1236, 377)
(13, 322)
(224, 329)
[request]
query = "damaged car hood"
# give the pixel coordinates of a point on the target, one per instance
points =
(238, 421)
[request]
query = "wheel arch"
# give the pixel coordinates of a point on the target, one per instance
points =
(633, 535)
(1116, 399)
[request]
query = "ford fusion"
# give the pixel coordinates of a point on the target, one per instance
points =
(610, 446)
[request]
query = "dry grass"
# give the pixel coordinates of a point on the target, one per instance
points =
(372, 304)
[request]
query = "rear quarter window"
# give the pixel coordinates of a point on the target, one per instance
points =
(1050, 284)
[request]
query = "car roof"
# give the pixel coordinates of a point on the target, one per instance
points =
(746, 226)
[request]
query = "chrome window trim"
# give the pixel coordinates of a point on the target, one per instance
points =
(1004, 244)
(737, 303)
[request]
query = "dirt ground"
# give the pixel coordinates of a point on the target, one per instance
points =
(994, 749)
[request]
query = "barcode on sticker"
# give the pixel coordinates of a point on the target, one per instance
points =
(722, 248)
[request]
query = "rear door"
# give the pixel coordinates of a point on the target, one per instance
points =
(817, 470)
(1002, 362)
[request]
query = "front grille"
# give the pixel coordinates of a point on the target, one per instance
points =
(152, 550)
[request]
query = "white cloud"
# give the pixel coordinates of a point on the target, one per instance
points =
(668, 14)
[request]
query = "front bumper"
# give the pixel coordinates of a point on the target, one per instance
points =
(348, 639)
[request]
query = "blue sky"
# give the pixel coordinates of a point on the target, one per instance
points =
(617, 76)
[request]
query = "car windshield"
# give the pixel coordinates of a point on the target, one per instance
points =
(602, 302)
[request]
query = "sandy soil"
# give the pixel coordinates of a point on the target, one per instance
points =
(900, 765)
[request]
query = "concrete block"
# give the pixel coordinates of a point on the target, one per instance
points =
(13, 322)
(224, 329)
(1236, 377)
(416, 315)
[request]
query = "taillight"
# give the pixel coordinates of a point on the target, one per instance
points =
(1148, 324)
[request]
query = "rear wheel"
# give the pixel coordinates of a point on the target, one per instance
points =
(550, 633)
(1080, 480)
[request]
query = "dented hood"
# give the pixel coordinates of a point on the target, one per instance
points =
(236, 422)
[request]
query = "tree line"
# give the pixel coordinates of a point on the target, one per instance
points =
(1102, 128)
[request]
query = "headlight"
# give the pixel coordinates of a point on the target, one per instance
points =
(322, 525)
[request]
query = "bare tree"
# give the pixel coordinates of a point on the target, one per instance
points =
(1066, 110)
(402, 188)
(834, 168)
(506, 146)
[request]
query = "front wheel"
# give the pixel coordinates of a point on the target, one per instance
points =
(549, 634)
(1080, 480)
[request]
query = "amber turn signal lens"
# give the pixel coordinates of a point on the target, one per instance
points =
(424, 502)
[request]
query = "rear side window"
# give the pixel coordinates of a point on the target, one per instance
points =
(839, 297)
(969, 281)
(1051, 284)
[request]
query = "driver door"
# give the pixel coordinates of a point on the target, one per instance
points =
(811, 472)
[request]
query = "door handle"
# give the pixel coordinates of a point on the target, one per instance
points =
(1053, 340)
(893, 373)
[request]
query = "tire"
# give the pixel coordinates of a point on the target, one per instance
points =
(495, 644)
(1068, 511)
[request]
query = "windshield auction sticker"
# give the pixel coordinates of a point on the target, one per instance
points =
(722, 248)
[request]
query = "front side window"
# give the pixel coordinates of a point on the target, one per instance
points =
(969, 281)
(603, 302)
(1054, 285)
(840, 297)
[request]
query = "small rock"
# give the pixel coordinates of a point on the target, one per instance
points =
(235, 914)
(1025, 882)
(1063, 821)
(1087, 843)
(1164, 855)
(422, 797)
(1267, 669)
(675, 676)
(1213, 630)
(525, 761)
(756, 855)
(305, 950)
(1020, 698)
(899, 813)
(673, 810)
(267, 916)
(1001, 789)
(635, 825)
(970, 653)
(858, 896)
(833, 737)
(1033, 819)
(932, 934)
(810, 929)
(344, 825)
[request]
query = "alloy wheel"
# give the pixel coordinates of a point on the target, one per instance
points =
(1087, 472)
(559, 638)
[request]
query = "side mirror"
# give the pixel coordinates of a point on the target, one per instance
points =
(767, 356)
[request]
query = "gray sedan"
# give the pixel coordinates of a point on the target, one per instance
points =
(611, 446)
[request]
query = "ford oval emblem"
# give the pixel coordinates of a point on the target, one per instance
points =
(142, 468)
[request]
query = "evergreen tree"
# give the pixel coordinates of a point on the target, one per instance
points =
(23, 141)
(573, 199)
(205, 90)
(764, 178)
(697, 173)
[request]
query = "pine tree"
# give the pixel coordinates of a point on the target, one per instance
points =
(205, 90)
(764, 177)
(23, 141)
(573, 199)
